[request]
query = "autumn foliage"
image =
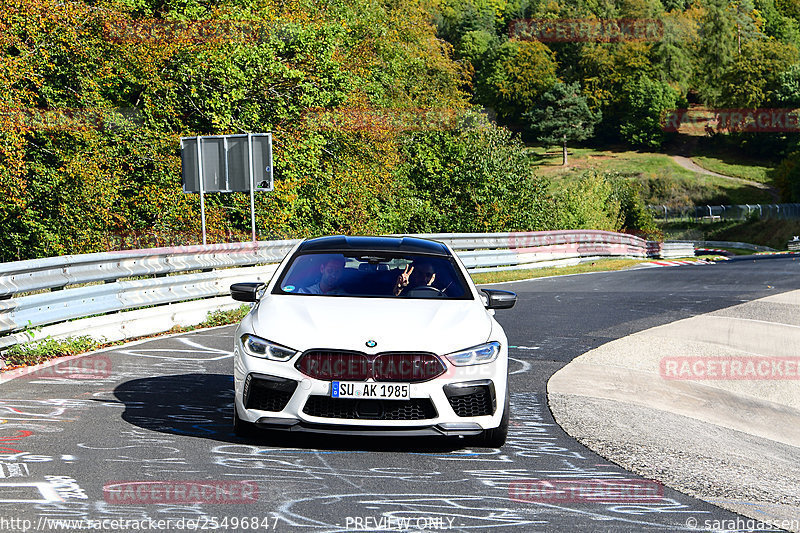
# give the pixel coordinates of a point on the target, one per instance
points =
(372, 126)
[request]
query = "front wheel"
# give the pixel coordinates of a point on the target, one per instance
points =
(496, 437)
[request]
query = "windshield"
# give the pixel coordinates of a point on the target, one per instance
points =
(369, 274)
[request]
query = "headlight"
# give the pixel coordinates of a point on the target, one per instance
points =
(258, 347)
(485, 353)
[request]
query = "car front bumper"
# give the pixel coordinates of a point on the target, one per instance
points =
(463, 401)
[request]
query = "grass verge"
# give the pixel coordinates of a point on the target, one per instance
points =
(33, 353)
(601, 265)
(730, 164)
(770, 232)
(39, 352)
(663, 181)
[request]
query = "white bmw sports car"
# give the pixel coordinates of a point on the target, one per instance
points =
(372, 336)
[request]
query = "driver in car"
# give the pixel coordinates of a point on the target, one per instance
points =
(417, 274)
(331, 272)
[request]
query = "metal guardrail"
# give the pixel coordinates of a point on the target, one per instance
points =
(726, 212)
(484, 252)
(670, 249)
(727, 244)
(53, 291)
(58, 272)
(51, 307)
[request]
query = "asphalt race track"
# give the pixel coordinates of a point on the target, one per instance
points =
(159, 415)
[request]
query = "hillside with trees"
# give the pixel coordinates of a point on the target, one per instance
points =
(387, 117)
(718, 53)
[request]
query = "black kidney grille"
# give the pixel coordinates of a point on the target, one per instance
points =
(409, 367)
(331, 365)
(350, 409)
(478, 403)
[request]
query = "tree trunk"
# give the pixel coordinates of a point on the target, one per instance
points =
(739, 38)
(564, 162)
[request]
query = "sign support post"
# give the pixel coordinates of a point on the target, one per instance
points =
(252, 186)
(202, 195)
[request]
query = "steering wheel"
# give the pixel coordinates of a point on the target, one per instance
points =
(425, 290)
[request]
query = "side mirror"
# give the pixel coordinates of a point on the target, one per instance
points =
(246, 292)
(497, 299)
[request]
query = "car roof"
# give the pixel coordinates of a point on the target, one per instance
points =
(341, 243)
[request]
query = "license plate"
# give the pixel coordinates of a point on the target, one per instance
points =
(377, 391)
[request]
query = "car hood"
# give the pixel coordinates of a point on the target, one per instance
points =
(305, 322)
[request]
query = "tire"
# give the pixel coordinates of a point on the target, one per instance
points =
(242, 428)
(496, 437)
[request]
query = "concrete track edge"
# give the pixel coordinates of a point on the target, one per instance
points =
(733, 443)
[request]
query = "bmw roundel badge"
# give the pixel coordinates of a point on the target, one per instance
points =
(371, 344)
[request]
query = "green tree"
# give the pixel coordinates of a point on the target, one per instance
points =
(717, 49)
(644, 102)
(518, 74)
(455, 18)
(754, 77)
(788, 92)
(562, 116)
(475, 45)
(604, 69)
(75, 187)
(675, 5)
(635, 215)
(777, 25)
(589, 203)
(787, 178)
(474, 180)
(641, 9)
(789, 8)
(747, 21)
(604, 201)
(672, 55)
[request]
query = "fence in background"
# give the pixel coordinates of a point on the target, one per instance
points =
(712, 213)
(131, 293)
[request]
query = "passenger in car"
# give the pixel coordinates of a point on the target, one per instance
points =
(331, 273)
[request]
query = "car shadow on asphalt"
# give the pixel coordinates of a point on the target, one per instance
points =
(201, 406)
